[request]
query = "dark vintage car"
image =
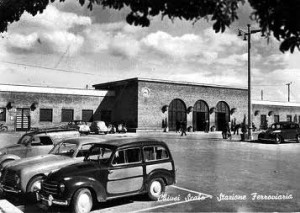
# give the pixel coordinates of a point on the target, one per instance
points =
(112, 169)
(281, 132)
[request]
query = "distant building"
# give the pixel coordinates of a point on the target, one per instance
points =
(142, 104)
(24, 107)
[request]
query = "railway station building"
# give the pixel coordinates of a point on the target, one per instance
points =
(142, 104)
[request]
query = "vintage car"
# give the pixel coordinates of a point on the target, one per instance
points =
(111, 169)
(25, 175)
(35, 143)
(281, 132)
(99, 127)
(80, 125)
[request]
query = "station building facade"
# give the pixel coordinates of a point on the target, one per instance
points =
(141, 104)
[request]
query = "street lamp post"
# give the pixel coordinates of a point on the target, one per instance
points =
(247, 36)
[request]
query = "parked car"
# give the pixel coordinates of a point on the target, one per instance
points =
(80, 125)
(111, 169)
(35, 143)
(28, 173)
(281, 132)
(121, 128)
(99, 127)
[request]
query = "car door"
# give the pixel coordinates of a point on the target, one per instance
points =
(125, 175)
(40, 145)
(289, 131)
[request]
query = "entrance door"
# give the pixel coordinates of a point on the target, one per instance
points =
(200, 115)
(23, 119)
(200, 119)
(222, 115)
(177, 113)
(221, 121)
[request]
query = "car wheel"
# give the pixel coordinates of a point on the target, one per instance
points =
(82, 201)
(35, 184)
(156, 188)
(298, 138)
(278, 139)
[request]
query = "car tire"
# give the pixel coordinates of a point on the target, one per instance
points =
(298, 138)
(82, 201)
(34, 184)
(278, 139)
(156, 188)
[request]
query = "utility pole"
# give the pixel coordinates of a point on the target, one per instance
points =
(247, 37)
(288, 84)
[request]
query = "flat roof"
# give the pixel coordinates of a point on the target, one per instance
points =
(275, 103)
(54, 90)
(122, 82)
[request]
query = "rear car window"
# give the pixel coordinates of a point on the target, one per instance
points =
(152, 153)
(127, 156)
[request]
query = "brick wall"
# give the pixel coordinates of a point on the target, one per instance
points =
(150, 114)
(57, 102)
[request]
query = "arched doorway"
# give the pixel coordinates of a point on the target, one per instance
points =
(200, 115)
(177, 113)
(222, 115)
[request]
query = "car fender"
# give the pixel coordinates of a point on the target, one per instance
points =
(167, 175)
(7, 157)
(75, 183)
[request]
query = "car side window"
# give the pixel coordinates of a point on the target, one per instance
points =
(127, 156)
(36, 141)
(152, 153)
(46, 141)
(83, 150)
(99, 153)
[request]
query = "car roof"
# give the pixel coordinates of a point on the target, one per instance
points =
(132, 141)
(50, 130)
(285, 122)
(84, 140)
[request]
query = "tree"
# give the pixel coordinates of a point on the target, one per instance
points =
(280, 18)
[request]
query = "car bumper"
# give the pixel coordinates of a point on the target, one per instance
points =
(7, 189)
(50, 201)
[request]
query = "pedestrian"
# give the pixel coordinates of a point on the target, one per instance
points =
(236, 129)
(224, 131)
(177, 126)
(206, 126)
(228, 127)
(183, 128)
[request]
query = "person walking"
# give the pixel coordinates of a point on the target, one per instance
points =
(183, 128)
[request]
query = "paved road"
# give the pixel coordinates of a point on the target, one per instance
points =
(210, 168)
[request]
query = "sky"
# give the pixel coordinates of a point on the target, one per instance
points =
(69, 46)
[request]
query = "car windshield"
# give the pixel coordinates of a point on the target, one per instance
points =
(276, 126)
(64, 148)
(25, 139)
(99, 153)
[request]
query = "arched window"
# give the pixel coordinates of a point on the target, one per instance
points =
(200, 115)
(177, 113)
(222, 115)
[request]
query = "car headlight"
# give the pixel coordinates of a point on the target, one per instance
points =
(62, 187)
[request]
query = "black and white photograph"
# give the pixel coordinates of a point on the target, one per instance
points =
(149, 106)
